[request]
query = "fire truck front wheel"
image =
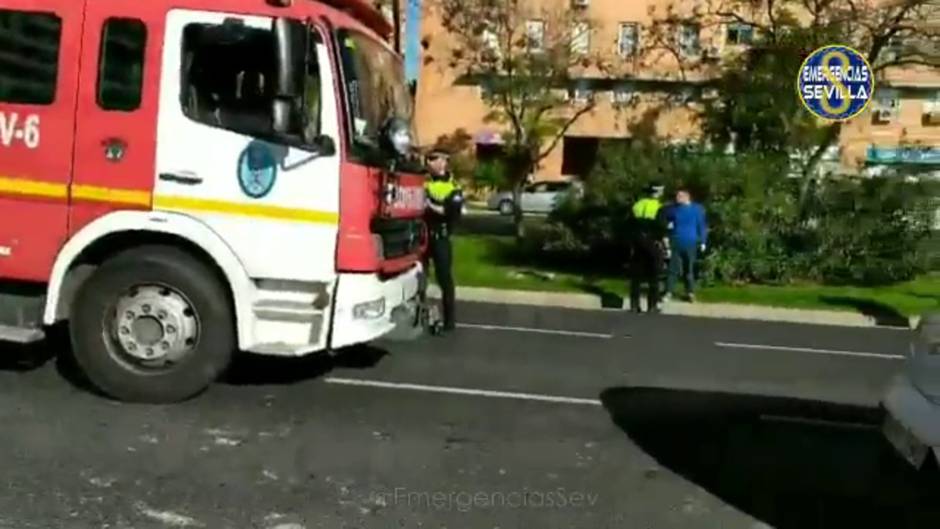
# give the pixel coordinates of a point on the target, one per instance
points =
(152, 324)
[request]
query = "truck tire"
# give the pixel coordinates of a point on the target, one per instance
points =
(152, 324)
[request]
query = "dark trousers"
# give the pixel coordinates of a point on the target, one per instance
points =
(440, 253)
(646, 263)
(682, 263)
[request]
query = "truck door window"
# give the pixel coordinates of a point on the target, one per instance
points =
(228, 76)
(29, 56)
(121, 64)
(375, 87)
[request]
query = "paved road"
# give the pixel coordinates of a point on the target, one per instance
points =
(525, 418)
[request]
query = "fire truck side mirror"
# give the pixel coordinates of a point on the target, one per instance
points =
(290, 42)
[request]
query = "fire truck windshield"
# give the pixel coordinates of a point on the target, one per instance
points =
(375, 87)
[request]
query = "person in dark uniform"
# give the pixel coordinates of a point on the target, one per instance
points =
(647, 253)
(444, 207)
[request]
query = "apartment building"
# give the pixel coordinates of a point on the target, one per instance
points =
(900, 127)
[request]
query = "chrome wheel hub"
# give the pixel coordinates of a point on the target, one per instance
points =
(155, 324)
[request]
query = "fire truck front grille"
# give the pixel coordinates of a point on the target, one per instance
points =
(400, 237)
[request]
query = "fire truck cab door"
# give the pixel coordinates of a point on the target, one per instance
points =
(275, 205)
(39, 57)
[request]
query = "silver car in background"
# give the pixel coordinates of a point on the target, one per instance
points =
(537, 197)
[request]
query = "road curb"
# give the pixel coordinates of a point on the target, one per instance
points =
(673, 308)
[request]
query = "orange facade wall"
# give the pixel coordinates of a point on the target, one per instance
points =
(443, 107)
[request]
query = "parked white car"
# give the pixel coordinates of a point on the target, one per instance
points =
(537, 197)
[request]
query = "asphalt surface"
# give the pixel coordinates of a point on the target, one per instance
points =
(524, 418)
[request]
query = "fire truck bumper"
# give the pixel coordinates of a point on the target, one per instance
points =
(368, 307)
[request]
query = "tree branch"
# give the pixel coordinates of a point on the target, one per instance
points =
(564, 130)
(728, 15)
(772, 17)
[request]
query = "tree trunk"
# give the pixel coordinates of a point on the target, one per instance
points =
(832, 134)
(519, 167)
(517, 213)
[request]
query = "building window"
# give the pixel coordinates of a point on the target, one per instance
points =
(934, 101)
(583, 95)
(535, 35)
(580, 38)
(623, 94)
(682, 95)
(886, 106)
(121, 64)
(582, 92)
(29, 62)
(689, 43)
(932, 108)
(739, 34)
(629, 39)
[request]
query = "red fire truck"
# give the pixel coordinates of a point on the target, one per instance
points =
(181, 179)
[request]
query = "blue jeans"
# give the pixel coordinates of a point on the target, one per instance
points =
(682, 262)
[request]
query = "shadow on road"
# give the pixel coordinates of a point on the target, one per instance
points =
(883, 314)
(249, 369)
(23, 358)
(609, 300)
(792, 464)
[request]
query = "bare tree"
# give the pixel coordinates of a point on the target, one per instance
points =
(527, 60)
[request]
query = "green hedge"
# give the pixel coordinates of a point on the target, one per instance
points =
(845, 230)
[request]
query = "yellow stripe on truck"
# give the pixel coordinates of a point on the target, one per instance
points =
(111, 195)
(34, 188)
(248, 210)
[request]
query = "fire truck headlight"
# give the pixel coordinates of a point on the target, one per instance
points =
(369, 310)
(389, 194)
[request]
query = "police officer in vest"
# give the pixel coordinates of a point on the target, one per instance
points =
(646, 259)
(444, 207)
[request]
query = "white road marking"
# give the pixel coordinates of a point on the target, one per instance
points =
(835, 352)
(463, 391)
(535, 330)
(167, 517)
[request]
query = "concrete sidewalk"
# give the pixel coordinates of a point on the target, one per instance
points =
(676, 308)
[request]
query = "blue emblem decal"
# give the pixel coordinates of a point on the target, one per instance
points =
(257, 170)
(835, 83)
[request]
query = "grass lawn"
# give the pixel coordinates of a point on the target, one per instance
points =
(485, 261)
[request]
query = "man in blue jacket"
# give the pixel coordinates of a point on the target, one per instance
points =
(689, 237)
